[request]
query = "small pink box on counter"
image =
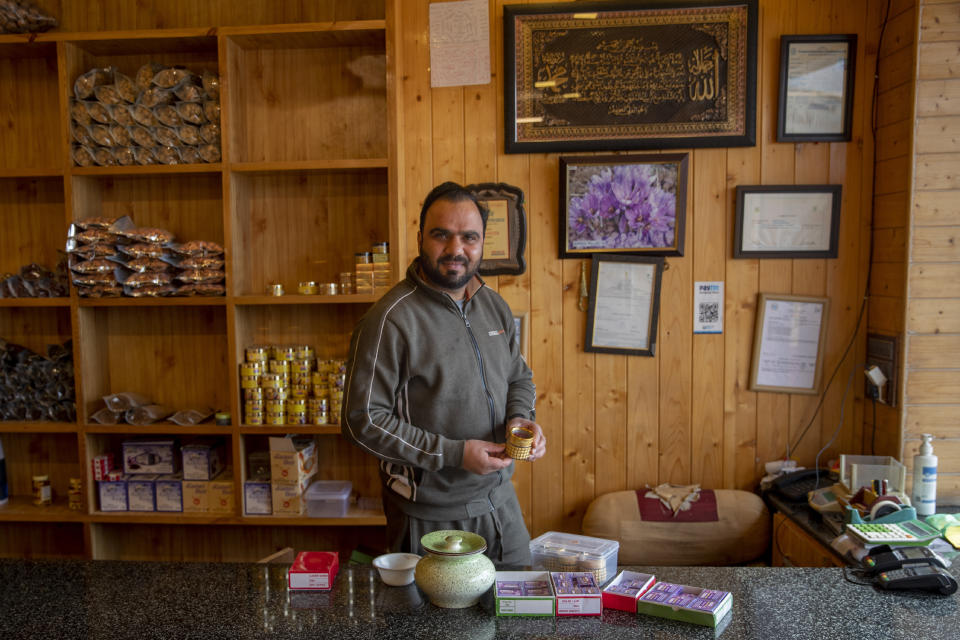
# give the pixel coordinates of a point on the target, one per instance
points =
(313, 570)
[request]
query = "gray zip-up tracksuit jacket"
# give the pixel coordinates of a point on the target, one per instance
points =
(422, 378)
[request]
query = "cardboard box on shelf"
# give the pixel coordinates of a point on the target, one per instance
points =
(113, 495)
(141, 492)
(293, 460)
(195, 496)
(203, 459)
(169, 491)
(220, 493)
(257, 498)
(287, 499)
(149, 456)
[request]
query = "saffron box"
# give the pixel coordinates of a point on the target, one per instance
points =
(313, 570)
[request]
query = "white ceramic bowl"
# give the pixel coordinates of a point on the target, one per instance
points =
(396, 569)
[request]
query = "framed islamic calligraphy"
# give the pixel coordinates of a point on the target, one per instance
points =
(604, 76)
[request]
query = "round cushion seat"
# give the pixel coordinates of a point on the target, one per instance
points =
(738, 532)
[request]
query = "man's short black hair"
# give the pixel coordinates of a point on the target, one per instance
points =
(452, 192)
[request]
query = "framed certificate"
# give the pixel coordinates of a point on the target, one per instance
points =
(505, 237)
(624, 305)
(816, 88)
(788, 343)
(787, 221)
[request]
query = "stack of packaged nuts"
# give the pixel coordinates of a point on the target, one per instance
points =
(113, 257)
(372, 269)
(165, 115)
(287, 385)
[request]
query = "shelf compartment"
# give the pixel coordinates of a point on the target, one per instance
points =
(36, 453)
(337, 459)
(26, 540)
(304, 226)
(35, 327)
(21, 509)
(29, 108)
(175, 356)
(326, 329)
(304, 93)
(190, 207)
(34, 222)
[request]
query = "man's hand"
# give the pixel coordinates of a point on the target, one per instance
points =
(539, 448)
(482, 457)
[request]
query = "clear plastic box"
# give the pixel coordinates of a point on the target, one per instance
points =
(860, 471)
(555, 551)
(328, 498)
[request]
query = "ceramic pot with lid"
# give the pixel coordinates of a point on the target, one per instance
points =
(454, 573)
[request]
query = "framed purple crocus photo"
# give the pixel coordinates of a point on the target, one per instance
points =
(628, 204)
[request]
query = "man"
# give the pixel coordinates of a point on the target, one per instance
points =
(434, 380)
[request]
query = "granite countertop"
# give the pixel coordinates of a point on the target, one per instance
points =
(146, 600)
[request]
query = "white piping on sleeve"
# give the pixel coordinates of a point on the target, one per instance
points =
(370, 422)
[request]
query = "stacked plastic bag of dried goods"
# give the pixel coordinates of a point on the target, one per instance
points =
(133, 408)
(36, 387)
(162, 115)
(114, 257)
(35, 281)
(20, 16)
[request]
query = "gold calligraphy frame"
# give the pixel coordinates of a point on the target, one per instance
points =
(506, 233)
(604, 76)
(760, 338)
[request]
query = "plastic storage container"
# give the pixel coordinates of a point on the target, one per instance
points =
(555, 551)
(328, 499)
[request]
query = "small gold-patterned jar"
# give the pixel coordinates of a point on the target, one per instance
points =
(519, 443)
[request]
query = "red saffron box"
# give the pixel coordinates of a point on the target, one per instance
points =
(313, 570)
(624, 591)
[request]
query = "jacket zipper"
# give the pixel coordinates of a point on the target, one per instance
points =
(483, 377)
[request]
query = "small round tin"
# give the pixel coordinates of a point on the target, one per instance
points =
(275, 289)
(253, 394)
(307, 288)
(277, 419)
(249, 382)
(257, 353)
(253, 417)
(329, 288)
(279, 366)
(251, 368)
(222, 418)
(304, 352)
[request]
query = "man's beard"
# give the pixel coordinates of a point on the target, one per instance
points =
(450, 282)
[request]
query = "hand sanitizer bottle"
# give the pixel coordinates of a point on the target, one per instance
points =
(925, 479)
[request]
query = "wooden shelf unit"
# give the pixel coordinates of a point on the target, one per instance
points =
(307, 178)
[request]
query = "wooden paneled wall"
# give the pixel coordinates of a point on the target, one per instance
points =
(891, 218)
(618, 422)
(932, 353)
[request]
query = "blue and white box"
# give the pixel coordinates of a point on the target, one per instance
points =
(169, 493)
(149, 456)
(203, 459)
(113, 495)
(141, 494)
(257, 498)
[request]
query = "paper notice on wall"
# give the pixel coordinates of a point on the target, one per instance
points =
(459, 43)
(708, 307)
